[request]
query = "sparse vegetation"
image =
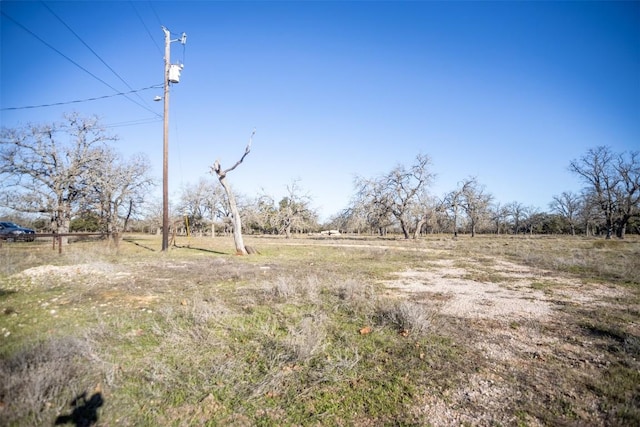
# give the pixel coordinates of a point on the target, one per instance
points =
(307, 333)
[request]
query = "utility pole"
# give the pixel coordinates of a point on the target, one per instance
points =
(165, 141)
(171, 75)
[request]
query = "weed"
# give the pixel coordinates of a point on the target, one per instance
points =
(404, 317)
(38, 380)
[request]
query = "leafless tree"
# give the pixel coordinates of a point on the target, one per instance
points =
(49, 168)
(531, 218)
(261, 215)
(517, 212)
(118, 188)
(613, 181)
(627, 165)
(590, 216)
(202, 203)
(343, 221)
(352, 219)
(475, 202)
(470, 197)
(235, 213)
(371, 204)
(568, 205)
(396, 192)
(451, 205)
(499, 215)
(423, 213)
(404, 185)
(294, 211)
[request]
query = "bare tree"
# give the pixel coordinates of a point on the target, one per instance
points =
(423, 213)
(396, 192)
(203, 203)
(499, 215)
(451, 204)
(517, 212)
(590, 215)
(403, 186)
(531, 218)
(628, 192)
(595, 168)
(352, 219)
(261, 215)
(613, 183)
(118, 188)
(371, 204)
(233, 207)
(294, 211)
(50, 166)
(568, 205)
(471, 198)
(442, 220)
(475, 202)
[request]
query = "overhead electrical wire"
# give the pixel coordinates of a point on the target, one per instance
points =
(92, 51)
(134, 122)
(159, 23)
(73, 62)
(146, 28)
(155, 13)
(82, 100)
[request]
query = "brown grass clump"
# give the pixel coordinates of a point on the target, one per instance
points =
(39, 380)
(405, 316)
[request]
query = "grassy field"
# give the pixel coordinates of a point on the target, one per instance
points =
(507, 330)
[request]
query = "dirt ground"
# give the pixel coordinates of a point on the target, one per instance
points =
(514, 320)
(517, 328)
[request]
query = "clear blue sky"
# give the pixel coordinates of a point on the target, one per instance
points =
(509, 92)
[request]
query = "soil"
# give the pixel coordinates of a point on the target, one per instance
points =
(515, 325)
(513, 321)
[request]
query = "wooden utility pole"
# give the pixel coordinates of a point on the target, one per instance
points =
(165, 139)
(171, 75)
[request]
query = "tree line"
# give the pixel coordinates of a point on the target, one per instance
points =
(399, 201)
(67, 176)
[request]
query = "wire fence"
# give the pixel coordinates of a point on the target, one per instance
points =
(55, 237)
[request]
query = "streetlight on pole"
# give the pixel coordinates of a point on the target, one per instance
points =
(171, 75)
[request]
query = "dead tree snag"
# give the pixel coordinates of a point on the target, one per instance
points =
(233, 207)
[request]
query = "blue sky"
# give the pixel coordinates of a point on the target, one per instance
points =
(509, 92)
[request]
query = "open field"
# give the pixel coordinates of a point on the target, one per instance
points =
(508, 330)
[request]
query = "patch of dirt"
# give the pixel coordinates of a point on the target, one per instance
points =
(122, 297)
(138, 285)
(515, 327)
(512, 298)
(69, 272)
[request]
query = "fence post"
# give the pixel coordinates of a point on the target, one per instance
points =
(59, 244)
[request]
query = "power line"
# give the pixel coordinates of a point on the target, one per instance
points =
(146, 28)
(155, 13)
(134, 122)
(82, 100)
(72, 61)
(92, 51)
(160, 24)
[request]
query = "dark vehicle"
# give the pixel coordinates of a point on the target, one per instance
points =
(13, 232)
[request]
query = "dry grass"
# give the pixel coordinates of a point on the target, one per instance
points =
(307, 334)
(34, 381)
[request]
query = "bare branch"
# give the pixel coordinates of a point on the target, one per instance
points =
(216, 165)
(235, 214)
